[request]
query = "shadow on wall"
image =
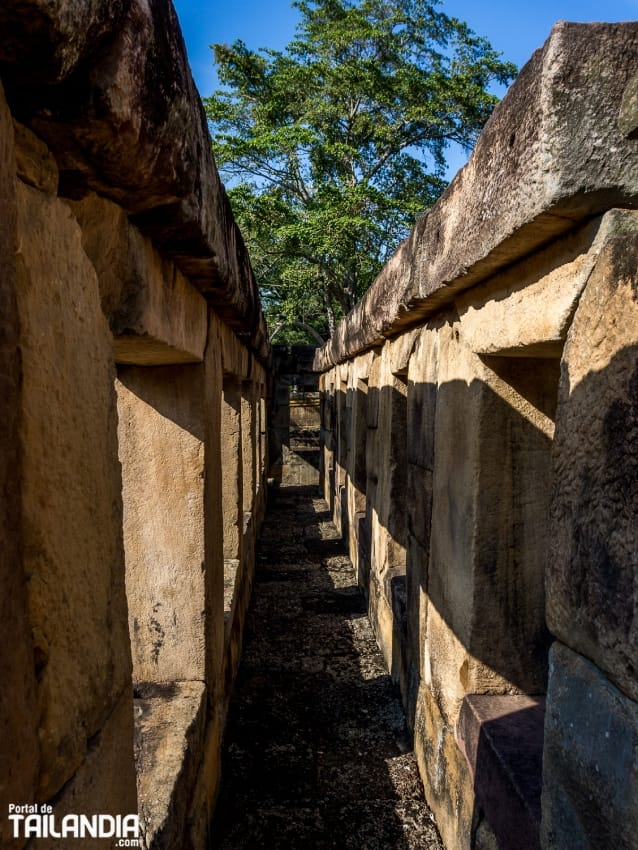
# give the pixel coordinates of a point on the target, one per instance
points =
(469, 616)
(464, 612)
(474, 531)
(175, 392)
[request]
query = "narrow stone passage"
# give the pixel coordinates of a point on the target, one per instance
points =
(316, 754)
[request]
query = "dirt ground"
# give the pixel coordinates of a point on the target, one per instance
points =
(316, 754)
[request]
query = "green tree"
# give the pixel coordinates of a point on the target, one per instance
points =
(333, 147)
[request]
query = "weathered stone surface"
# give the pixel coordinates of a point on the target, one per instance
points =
(71, 502)
(127, 122)
(170, 724)
(240, 574)
(161, 444)
(357, 471)
(512, 495)
(590, 759)
(106, 117)
(485, 838)
(524, 184)
(231, 568)
(155, 315)
(490, 491)
(382, 621)
(526, 310)
(591, 576)
(514, 263)
(421, 413)
(400, 350)
(44, 41)
(388, 527)
(104, 783)
(211, 771)
(422, 388)
(628, 117)
(231, 468)
(446, 777)
(213, 517)
(502, 740)
(35, 164)
(249, 444)
(18, 764)
(236, 359)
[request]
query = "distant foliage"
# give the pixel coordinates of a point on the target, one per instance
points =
(333, 147)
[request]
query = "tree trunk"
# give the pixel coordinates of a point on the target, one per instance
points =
(330, 313)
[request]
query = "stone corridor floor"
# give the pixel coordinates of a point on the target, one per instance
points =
(316, 753)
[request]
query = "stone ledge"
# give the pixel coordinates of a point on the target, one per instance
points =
(156, 316)
(502, 740)
(552, 155)
(170, 721)
(108, 87)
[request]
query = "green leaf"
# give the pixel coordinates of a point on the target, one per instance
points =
(334, 146)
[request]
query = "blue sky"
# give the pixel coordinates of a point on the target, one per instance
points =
(515, 29)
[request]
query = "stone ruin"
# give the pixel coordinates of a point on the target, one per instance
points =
(295, 421)
(479, 450)
(479, 443)
(135, 369)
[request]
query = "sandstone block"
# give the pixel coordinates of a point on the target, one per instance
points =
(213, 513)
(43, 41)
(236, 358)
(18, 764)
(417, 583)
(551, 155)
(490, 495)
(526, 310)
(156, 316)
(71, 497)
(592, 598)
(162, 455)
(419, 497)
(389, 530)
(121, 114)
(231, 468)
(422, 383)
(104, 783)
(400, 351)
(628, 117)
(169, 739)
(590, 760)
(93, 122)
(374, 386)
(35, 163)
(459, 396)
(502, 739)
(445, 773)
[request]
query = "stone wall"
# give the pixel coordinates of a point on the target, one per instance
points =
(295, 420)
(479, 453)
(134, 364)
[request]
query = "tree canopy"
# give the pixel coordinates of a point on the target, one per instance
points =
(334, 146)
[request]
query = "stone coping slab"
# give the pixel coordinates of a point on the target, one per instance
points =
(556, 151)
(107, 85)
(502, 740)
